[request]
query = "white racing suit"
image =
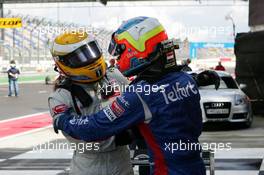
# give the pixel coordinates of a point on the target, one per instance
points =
(99, 158)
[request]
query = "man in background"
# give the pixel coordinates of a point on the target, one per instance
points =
(112, 63)
(13, 73)
(186, 67)
(220, 67)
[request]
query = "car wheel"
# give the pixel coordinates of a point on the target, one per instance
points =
(248, 123)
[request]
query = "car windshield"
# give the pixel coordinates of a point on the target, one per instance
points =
(225, 83)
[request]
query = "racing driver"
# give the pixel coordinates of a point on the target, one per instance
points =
(82, 69)
(167, 117)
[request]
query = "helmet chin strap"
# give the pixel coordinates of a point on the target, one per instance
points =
(160, 64)
(156, 71)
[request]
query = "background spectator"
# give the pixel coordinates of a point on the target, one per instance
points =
(186, 67)
(13, 73)
(112, 63)
(220, 67)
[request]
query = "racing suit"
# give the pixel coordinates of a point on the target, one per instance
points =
(169, 118)
(98, 158)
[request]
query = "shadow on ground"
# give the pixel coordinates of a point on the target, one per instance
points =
(223, 126)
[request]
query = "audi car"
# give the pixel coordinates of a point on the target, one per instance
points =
(227, 104)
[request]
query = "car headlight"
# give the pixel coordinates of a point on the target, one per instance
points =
(240, 100)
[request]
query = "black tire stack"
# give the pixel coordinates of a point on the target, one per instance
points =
(249, 50)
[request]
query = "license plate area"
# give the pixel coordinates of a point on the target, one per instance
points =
(218, 111)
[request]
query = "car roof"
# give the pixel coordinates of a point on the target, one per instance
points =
(223, 74)
(220, 73)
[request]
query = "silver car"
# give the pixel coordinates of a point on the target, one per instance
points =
(227, 104)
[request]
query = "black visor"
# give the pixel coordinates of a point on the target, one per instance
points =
(115, 49)
(82, 56)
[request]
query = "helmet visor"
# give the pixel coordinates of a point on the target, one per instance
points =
(115, 49)
(82, 56)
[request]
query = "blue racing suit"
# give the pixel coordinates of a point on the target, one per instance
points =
(167, 114)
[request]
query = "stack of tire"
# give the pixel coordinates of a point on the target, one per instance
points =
(249, 50)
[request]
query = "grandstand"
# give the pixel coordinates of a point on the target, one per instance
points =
(29, 45)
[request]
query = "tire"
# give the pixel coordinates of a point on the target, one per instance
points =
(249, 53)
(255, 86)
(248, 123)
(249, 64)
(249, 42)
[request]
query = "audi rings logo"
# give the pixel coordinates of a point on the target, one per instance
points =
(218, 105)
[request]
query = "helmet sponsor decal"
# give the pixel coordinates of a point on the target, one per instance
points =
(79, 78)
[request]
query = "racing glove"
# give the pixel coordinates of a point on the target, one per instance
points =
(206, 78)
(124, 138)
(56, 124)
(128, 136)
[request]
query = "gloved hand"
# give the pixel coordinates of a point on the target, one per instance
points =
(56, 124)
(207, 77)
(127, 137)
(124, 138)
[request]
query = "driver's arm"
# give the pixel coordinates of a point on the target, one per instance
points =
(125, 111)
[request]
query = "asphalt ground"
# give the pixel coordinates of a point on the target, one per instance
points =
(33, 98)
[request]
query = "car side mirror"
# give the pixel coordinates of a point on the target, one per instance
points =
(242, 86)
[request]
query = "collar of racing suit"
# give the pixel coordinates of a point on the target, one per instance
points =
(155, 71)
(77, 90)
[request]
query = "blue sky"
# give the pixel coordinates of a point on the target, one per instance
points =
(196, 21)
